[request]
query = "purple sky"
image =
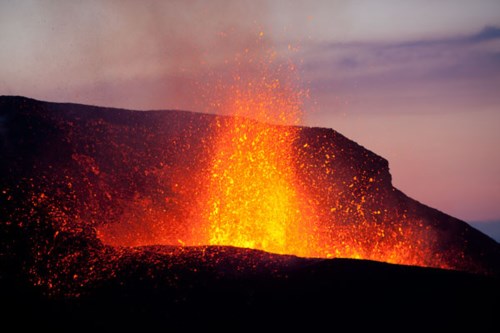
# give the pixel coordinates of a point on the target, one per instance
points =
(417, 82)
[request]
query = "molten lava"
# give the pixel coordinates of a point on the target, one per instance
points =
(253, 200)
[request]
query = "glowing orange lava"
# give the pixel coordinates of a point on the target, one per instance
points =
(252, 198)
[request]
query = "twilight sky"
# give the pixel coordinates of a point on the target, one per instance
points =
(417, 82)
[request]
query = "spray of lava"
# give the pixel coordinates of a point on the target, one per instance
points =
(263, 184)
(252, 199)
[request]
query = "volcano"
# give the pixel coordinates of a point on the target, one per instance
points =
(134, 220)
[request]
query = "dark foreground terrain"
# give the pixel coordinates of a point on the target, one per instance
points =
(227, 289)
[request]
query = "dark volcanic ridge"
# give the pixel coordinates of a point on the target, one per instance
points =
(225, 289)
(68, 170)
